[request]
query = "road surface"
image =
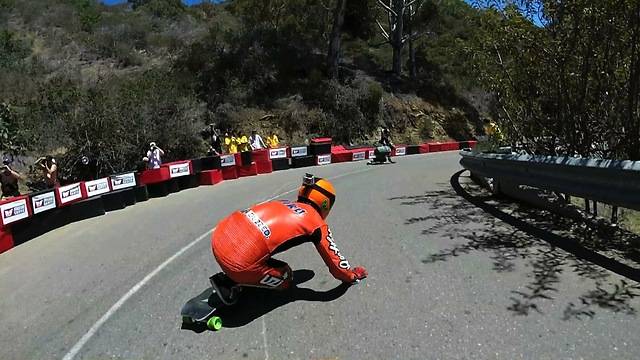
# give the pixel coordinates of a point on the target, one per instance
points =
(448, 279)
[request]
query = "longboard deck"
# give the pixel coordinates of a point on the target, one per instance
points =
(202, 306)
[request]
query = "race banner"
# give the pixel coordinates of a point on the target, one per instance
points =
(14, 211)
(360, 155)
(228, 160)
(324, 159)
(97, 187)
(279, 153)
(123, 181)
(177, 170)
(69, 193)
(299, 151)
(43, 202)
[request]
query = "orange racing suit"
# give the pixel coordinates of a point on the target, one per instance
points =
(243, 244)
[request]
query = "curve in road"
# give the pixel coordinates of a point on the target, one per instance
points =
(447, 280)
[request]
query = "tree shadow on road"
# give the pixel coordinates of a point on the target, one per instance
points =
(254, 303)
(535, 236)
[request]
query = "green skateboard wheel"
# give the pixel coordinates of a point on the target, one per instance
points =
(187, 320)
(215, 323)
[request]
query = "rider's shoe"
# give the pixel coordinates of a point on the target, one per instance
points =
(226, 288)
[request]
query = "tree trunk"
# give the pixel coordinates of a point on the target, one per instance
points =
(333, 56)
(412, 59)
(396, 37)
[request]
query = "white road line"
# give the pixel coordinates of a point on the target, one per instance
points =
(92, 331)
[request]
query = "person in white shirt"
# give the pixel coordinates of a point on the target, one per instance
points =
(256, 142)
(155, 156)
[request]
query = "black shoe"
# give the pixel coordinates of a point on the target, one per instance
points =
(226, 288)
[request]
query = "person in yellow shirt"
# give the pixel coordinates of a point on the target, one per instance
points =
(243, 143)
(272, 140)
(232, 143)
(496, 137)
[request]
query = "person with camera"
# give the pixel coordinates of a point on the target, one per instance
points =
(50, 170)
(155, 156)
(9, 180)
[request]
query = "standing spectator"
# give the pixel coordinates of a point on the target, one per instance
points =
(272, 140)
(155, 156)
(216, 141)
(496, 138)
(256, 142)
(243, 143)
(231, 142)
(50, 169)
(9, 180)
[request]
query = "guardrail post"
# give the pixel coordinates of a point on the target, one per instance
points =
(587, 206)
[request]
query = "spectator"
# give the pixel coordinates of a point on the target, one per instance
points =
(50, 169)
(494, 133)
(272, 140)
(9, 180)
(256, 142)
(215, 148)
(216, 141)
(243, 143)
(155, 156)
(231, 142)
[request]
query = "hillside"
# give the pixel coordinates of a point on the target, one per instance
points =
(80, 78)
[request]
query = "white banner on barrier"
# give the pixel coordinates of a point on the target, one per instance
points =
(298, 151)
(69, 193)
(97, 187)
(228, 160)
(123, 181)
(43, 202)
(401, 151)
(14, 211)
(360, 155)
(176, 170)
(324, 159)
(280, 153)
(371, 154)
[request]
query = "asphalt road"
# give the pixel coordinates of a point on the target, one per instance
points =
(447, 279)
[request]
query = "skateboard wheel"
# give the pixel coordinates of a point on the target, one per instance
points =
(215, 323)
(187, 320)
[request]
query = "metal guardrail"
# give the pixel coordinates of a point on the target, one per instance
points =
(614, 182)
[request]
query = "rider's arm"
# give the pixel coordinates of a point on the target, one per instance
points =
(338, 265)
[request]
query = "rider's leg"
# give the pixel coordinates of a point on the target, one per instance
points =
(273, 274)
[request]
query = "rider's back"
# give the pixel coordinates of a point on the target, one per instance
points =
(250, 236)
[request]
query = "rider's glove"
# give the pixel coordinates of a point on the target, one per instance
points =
(360, 273)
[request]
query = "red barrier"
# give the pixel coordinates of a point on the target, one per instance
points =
(473, 143)
(154, 176)
(435, 147)
(229, 172)
(261, 155)
(6, 239)
(247, 170)
(238, 158)
(449, 146)
(264, 167)
(341, 155)
(424, 148)
(211, 177)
